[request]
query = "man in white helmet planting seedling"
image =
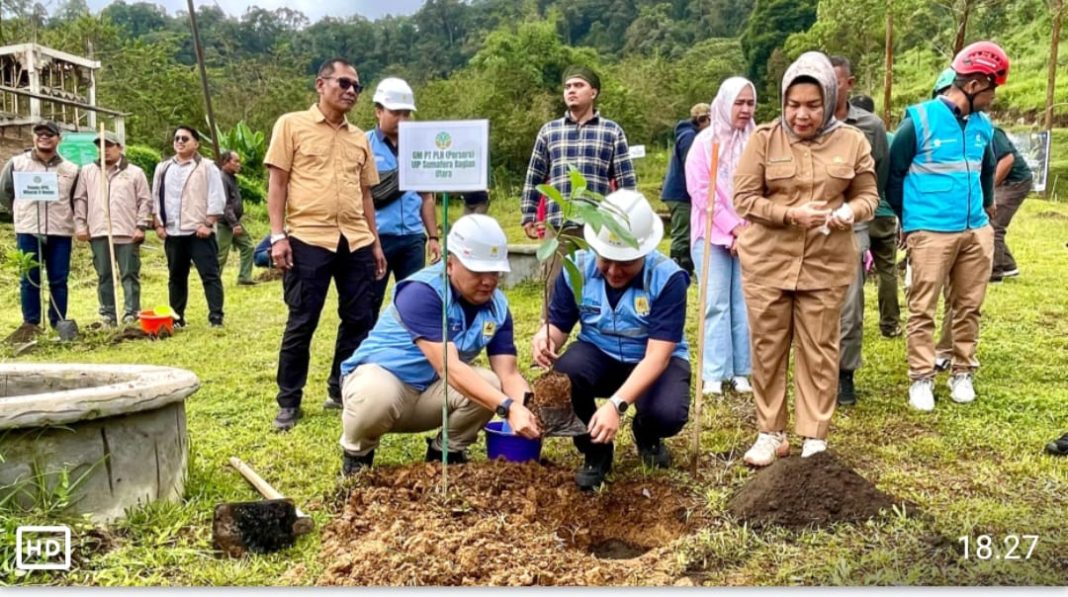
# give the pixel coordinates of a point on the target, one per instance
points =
(630, 346)
(393, 382)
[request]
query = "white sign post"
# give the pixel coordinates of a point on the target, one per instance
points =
(444, 155)
(36, 186)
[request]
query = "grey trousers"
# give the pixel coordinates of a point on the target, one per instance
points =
(853, 311)
(128, 257)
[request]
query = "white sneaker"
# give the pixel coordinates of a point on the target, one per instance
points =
(741, 385)
(767, 448)
(813, 446)
(921, 395)
(961, 389)
(942, 363)
(712, 388)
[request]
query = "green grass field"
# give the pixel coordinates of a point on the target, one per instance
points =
(972, 470)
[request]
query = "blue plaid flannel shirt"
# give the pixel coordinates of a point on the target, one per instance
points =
(597, 148)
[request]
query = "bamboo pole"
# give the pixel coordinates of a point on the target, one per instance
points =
(203, 78)
(702, 294)
(105, 196)
(445, 348)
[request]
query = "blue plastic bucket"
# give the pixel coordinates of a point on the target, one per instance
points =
(511, 447)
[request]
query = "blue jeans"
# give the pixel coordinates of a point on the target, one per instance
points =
(405, 255)
(726, 324)
(56, 260)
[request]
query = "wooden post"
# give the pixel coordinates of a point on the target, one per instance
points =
(203, 78)
(445, 348)
(105, 194)
(888, 66)
(702, 294)
(1056, 14)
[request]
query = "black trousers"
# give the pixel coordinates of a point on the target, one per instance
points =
(204, 254)
(305, 286)
(661, 412)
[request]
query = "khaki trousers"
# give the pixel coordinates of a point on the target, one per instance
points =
(809, 319)
(377, 402)
(961, 260)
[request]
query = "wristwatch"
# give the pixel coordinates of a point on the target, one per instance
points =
(620, 404)
(503, 408)
(277, 237)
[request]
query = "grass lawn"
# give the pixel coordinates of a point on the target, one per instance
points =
(972, 470)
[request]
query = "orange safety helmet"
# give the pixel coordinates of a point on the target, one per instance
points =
(983, 57)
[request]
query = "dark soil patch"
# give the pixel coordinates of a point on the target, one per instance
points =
(802, 492)
(1052, 215)
(24, 333)
(505, 524)
(269, 274)
(551, 405)
(129, 333)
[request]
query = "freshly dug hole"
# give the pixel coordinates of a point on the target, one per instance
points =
(505, 524)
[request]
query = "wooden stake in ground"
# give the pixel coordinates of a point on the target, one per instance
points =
(445, 346)
(702, 294)
(105, 194)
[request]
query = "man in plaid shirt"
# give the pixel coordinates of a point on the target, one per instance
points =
(595, 145)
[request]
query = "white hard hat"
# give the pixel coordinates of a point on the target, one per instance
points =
(394, 94)
(480, 244)
(641, 220)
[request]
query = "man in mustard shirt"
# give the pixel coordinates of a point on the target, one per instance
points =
(322, 228)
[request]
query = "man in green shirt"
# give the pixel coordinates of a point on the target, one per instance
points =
(1012, 184)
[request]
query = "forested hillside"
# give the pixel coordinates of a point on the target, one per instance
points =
(502, 59)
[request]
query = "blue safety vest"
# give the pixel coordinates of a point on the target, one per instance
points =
(402, 217)
(942, 191)
(622, 333)
(390, 344)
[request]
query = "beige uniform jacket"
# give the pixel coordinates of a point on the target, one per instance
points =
(130, 202)
(778, 170)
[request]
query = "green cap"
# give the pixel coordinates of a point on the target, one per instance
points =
(944, 80)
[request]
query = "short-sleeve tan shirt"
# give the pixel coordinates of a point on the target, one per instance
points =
(327, 168)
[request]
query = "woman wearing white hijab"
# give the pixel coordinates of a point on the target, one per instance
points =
(726, 353)
(801, 183)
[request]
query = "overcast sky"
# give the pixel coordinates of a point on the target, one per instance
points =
(313, 9)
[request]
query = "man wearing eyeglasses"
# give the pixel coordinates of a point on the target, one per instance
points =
(43, 228)
(187, 200)
(322, 228)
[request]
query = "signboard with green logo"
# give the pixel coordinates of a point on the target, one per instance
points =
(79, 148)
(445, 155)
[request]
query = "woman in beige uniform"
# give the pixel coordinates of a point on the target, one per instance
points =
(802, 182)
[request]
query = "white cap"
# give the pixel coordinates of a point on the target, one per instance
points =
(394, 94)
(479, 243)
(641, 220)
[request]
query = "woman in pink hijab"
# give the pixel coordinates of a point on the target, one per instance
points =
(726, 354)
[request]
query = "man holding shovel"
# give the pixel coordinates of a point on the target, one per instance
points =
(43, 227)
(631, 345)
(393, 382)
(130, 203)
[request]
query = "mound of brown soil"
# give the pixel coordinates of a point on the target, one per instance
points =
(505, 524)
(800, 492)
(551, 405)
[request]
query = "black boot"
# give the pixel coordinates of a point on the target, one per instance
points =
(434, 455)
(351, 464)
(847, 394)
(598, 464)
(655, 455)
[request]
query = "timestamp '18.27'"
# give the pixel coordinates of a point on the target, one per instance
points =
(1010, 547)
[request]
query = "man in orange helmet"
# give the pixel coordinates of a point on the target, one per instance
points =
(941, 186)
